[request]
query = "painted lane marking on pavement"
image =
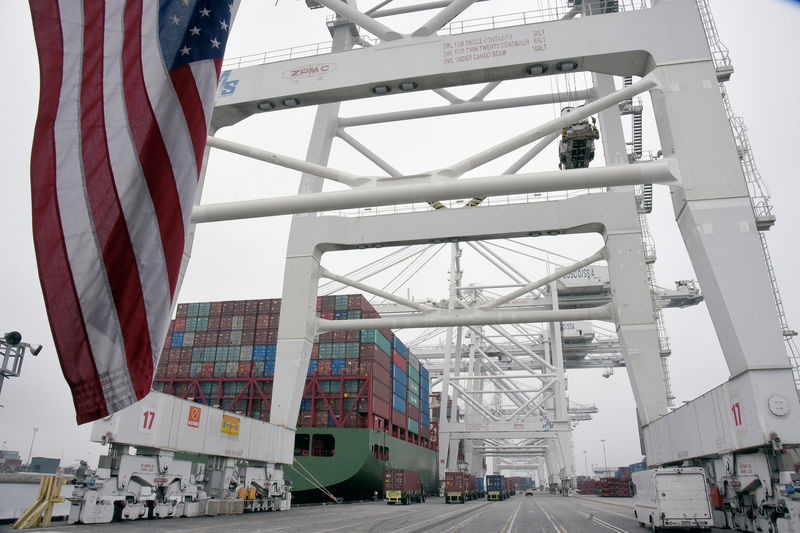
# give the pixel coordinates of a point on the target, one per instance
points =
(512, 518)
(612, 527)
(465, 522)
(555, 526)
(600, 508)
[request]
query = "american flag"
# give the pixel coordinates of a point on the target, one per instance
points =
(127, 92)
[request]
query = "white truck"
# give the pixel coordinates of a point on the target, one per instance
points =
(667, 498)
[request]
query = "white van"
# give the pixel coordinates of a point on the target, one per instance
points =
(667, 498)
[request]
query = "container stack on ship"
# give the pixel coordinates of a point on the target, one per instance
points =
(365, 405)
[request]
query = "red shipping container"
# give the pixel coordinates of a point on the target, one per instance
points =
(272, 336)
(239, 307)
(249, 322)
(324, 368)
(339, 336)
(367, 307)
(182, 311)
(223, 337)
(213, 323)
(321, 419)
(260, 336)
(327, 315)
(304, 421)
(398, 360)
(179, 324)
(263, 306)
(371, 368)
(381, 408)
(352, 367)
(186, 355)
(319, 303)
(251, 307)
(353, 335)
(412, 411)
(245, 368)
(226, 322)
(398, 419)
(424, 432)
(402, 480)
(354, 301)
(215, 309)
(275, 306)
(182, 370)
(381, 391)
(248, 336)
(227, 308)
(262, 321)
(371, 352)
(328, 303)
(387, 333)
(207, 370)
(315, 351)
(326, 337)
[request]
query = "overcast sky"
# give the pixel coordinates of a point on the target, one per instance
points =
(245, 260)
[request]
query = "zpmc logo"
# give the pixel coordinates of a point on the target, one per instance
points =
(309, 71)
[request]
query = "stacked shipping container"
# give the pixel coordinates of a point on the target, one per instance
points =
(224, 354)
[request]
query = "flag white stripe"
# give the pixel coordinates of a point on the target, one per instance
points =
(85, 256)
(169, 113)
(134, 195)
(205, 77)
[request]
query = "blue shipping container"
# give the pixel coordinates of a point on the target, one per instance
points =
(398, 345)
(177, 340)
(398, 403)
(312, 367)
(398, 375)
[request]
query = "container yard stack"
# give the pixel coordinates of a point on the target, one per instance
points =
(613, 487)
(223, 354)
(587, 486)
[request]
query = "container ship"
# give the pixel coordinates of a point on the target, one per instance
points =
(365, 405)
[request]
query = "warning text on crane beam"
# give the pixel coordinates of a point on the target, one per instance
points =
(480, 48)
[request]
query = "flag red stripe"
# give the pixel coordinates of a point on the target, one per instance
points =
(106, 211)
(55, 273)
(192, 105)
(152, 153)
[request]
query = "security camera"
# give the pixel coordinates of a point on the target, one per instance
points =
(13, 338)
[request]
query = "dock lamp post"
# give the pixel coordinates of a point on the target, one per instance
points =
(12, 350)
(31, 449)
(605, 461)
(586, 463)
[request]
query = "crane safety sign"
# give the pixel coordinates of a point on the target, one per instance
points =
(194, 417)
(230, 425)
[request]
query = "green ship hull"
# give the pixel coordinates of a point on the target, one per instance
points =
(353, 472)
